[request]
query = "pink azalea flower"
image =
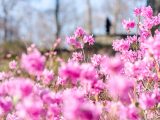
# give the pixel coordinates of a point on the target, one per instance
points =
(33, 62)
(79, 32)
(147, 100)
(121, 45)
(88, 72)
(129, 112)
(5, 105)
(47, 76)
(112, 65)
(77, 56)
(137, 11)
(122, 87)
(74, 42)
(147, 12)
(88, 39)
(77, 108)
(96, 59)
(128, 24)
(30, 108)
(13, 64)
(70, 71)
(26, 88)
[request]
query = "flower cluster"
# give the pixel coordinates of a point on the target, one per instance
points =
(123, 87)
(79, 38)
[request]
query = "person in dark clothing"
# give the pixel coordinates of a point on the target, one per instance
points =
(108, 26)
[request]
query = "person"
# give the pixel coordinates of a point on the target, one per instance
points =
(108, 26)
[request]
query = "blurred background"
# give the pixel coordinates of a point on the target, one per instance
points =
(43, 21)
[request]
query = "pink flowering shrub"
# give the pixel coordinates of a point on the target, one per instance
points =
(123, 87)
(33, 62)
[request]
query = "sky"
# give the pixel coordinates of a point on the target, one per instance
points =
(43, 4)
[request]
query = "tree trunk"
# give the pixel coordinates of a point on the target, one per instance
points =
(5, 21)
(57, 19)
(117, 12)
(5, 29)
(89, 10)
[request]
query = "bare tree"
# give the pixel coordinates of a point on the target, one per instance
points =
(57, 12)
(68, 17)
(89, 11)
(7, 6)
